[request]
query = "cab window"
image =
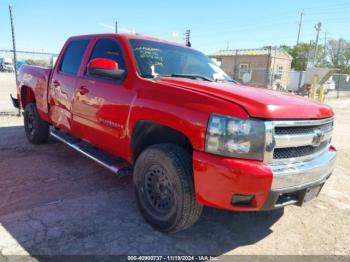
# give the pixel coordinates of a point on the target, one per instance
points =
(73, 55)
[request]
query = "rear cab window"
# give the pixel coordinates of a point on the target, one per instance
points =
(73, 56)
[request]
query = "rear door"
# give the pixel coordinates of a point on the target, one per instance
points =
(101, 105)
(63, 83)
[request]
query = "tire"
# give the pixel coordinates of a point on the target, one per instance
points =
(37, 130)
(163, 182)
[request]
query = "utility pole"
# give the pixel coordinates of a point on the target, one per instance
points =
(268, 67)
(14, 47)
(235, 70)
(116, 27)
(309, 55)
(187, 37)
(300, 23)
(273, 68)
(325, 47)
(13, 41)
(318, 29)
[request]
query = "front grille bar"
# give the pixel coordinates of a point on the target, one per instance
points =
(285, 141)
(318, 132)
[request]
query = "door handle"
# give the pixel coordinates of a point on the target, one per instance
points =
(83, 90)
(56, 83)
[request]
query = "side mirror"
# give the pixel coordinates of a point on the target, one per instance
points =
(103, 67)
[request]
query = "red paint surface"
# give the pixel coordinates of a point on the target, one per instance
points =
(103, 63)
(106, 113)
(218, 178)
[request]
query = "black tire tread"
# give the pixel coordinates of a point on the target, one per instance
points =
(42, 128)
(182, 163)
(192, 209)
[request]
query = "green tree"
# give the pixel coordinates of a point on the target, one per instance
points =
(339, 54)
(335, 55)
(302, 54)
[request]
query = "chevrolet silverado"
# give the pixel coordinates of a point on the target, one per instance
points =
(189, 135)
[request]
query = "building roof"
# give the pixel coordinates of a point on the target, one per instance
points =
(250, 52)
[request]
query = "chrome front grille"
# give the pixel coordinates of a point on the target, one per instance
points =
(300, 151)
(281, 130)
(297, 140)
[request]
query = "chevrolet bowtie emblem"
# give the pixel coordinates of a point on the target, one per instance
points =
(318, 137)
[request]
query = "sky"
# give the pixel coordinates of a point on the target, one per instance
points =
(215, 25)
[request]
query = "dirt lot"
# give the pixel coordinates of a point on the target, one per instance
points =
(54, 201)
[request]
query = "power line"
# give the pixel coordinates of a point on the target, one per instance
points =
(247, 29)
(314, 10)
(327, 7)
(267, 26)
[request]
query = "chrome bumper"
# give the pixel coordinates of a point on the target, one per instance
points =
(301, 174)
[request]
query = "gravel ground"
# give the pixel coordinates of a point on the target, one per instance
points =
(55, 201)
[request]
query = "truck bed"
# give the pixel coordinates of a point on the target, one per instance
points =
(33, 80)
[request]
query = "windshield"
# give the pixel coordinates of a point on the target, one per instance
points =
(155, 59)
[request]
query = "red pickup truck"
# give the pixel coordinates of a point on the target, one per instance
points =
(189, 135)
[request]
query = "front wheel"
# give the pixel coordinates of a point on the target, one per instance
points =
(163, 181)
(37, 130)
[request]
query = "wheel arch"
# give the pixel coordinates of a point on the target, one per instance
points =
(147, 133)
(27, 96)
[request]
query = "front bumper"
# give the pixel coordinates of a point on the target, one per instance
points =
(300, 175)
(218, 179)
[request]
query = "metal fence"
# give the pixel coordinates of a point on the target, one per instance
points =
(263, 77)
(288, 81)
(7, 75)
(28, 57)
(342, 82)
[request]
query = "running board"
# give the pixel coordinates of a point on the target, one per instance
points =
(114, 164)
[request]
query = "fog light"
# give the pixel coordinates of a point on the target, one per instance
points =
(241, 199)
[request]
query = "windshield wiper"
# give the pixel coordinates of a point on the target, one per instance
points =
(191, 76)
(226, 80)
(148, 76)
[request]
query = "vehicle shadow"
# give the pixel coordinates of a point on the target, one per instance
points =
(54, 201)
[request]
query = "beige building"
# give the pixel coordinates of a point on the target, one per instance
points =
(256, 67)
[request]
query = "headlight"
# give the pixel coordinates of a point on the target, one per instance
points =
(235, 137)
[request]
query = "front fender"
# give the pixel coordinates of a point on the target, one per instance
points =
(184, 110)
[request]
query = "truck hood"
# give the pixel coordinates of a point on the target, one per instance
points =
(258, 102)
